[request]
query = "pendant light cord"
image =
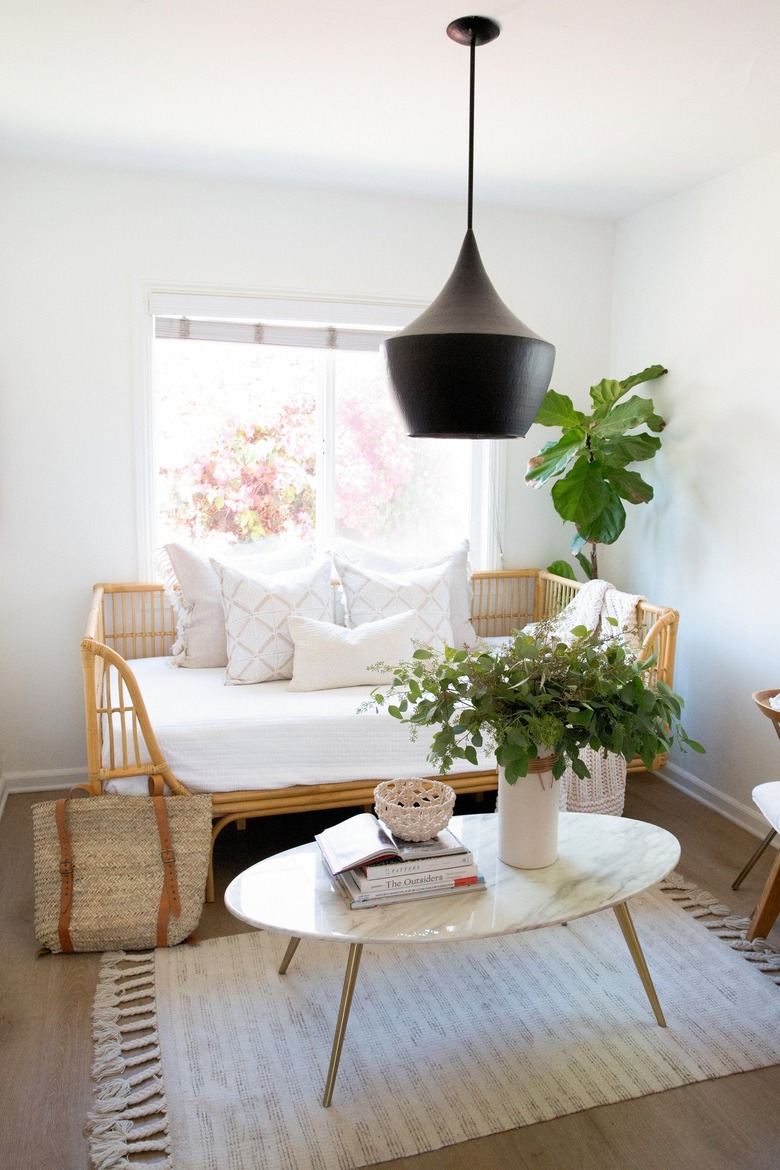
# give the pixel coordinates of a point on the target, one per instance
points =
(472, 72)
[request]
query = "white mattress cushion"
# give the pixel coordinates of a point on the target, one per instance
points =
(327, 655)
(257, 606)
(224, 739)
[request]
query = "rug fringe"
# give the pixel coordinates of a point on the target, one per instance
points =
(700, 904)
(130, 1114)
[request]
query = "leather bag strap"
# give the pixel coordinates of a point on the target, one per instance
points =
(66, 877)
(169, 896)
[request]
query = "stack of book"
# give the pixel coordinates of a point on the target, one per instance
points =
(371, 867)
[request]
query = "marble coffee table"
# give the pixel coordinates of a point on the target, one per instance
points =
(602, 862)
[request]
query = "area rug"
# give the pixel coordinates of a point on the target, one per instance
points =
(208, 1059)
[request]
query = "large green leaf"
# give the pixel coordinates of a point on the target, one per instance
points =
(648, 375)
(562, 569)
(581, 494)
(629, 485)
(619, 451)
(607, 526)
(557, 410)
(585, 565)
(625, 417)
(554, 457)
(605, 395)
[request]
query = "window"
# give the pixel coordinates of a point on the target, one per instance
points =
(273, 418)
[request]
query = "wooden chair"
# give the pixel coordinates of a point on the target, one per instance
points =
(766, 797)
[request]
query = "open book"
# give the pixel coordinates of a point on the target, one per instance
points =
(363, 839)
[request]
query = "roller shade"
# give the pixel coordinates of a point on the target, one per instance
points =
(315, 323)
(306, 335)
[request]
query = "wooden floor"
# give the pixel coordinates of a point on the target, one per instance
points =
(45, 1004)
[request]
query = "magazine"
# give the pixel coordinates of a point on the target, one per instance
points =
(363, 839)
(393, 867)
(414, 877)
(357, 900)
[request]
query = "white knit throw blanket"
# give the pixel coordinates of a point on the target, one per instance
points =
(622, 608)
(595, 603)
(584, 609)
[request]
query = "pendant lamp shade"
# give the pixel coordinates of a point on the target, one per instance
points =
(467, 367)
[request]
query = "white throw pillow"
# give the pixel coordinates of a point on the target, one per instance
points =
(377, 560)
(257, 608)
(368, 597)
(200, 618)
(327, 655)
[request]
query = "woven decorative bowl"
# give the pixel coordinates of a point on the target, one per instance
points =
(414, 810)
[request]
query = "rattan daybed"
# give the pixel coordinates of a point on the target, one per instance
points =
(128, 623)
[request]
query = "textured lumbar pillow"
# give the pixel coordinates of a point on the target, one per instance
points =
(327, 655)
(458, 579)
(371, 596)
(257, 608)
(193, 587)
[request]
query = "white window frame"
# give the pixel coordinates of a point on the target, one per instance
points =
(486, 521)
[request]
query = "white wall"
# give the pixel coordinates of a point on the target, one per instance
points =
(77, 245)
(697, 289)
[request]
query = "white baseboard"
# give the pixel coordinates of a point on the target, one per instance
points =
(43, 781)
(744, 815)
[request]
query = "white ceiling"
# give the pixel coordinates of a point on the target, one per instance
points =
(596, 107)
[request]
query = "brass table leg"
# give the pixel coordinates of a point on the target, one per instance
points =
(292, 947)
(350, 976)
(632, 941)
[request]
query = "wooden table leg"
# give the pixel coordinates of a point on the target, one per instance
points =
(768, 908)
(350, 976)
(632, 941)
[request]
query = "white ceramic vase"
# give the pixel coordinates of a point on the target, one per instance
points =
(528, 818)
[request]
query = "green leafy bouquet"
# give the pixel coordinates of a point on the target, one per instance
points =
(537, 690)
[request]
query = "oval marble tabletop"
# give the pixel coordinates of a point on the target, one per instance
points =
(602, 861)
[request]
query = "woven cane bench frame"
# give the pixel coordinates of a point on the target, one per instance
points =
(128, 621)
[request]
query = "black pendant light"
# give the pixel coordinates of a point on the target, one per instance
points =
(468, 368)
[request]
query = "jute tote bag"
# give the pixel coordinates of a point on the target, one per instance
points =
(120, 872)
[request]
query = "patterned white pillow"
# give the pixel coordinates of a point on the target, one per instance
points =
(257, 607)
(371, 596)
(193, 587)
(327, 655)
(378, 560)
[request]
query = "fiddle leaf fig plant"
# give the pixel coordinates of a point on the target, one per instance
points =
(590, 461)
